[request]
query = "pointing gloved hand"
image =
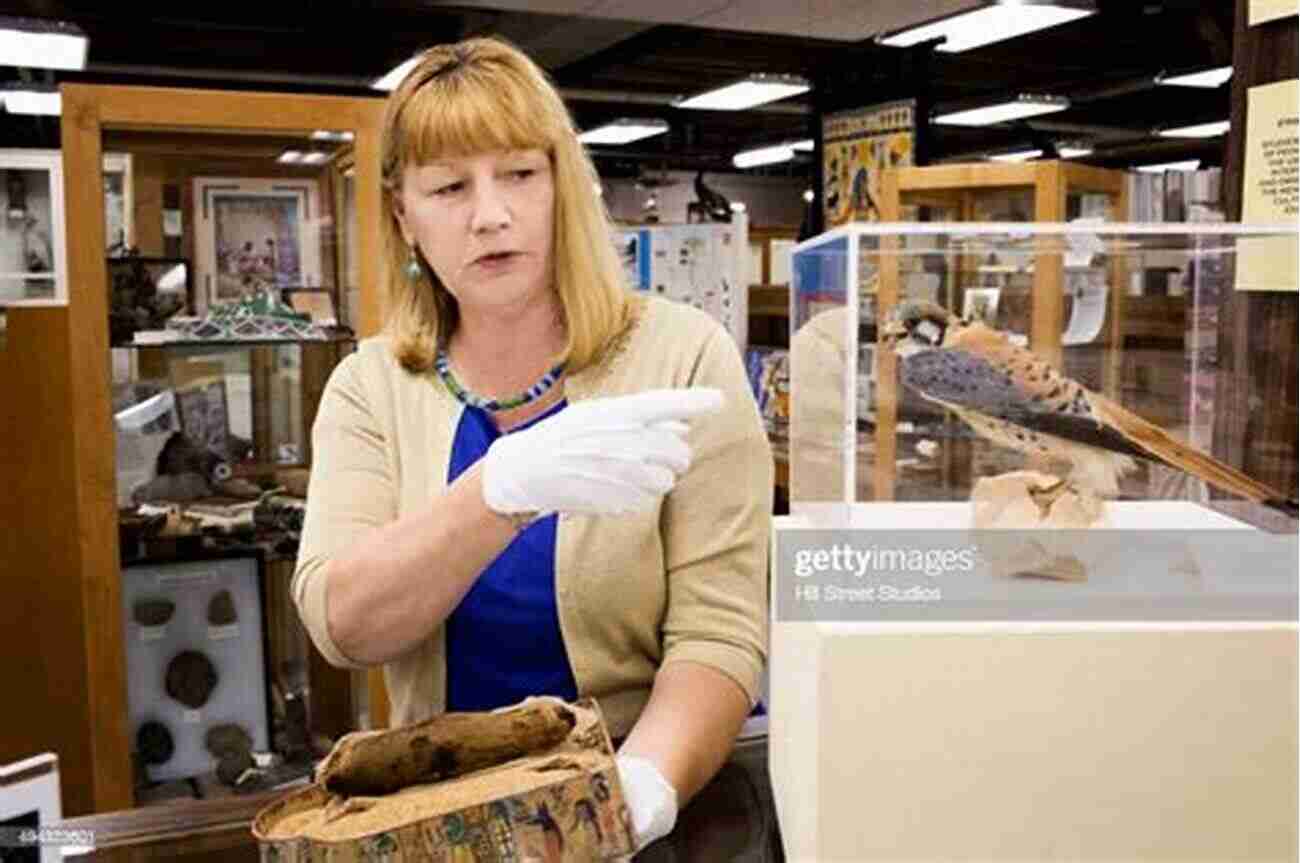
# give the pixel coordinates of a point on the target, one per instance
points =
(609, 456)
(651, 799)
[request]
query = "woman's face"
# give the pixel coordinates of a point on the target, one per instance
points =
(484, 224)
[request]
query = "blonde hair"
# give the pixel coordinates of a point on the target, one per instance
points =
(483, 95)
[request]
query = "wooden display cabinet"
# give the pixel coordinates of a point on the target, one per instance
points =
(63, 611)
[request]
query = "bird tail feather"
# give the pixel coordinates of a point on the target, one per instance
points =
(1167, 448)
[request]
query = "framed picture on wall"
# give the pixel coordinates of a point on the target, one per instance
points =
(253, 235)
(981, 304)
(29, 802)
(119, 203)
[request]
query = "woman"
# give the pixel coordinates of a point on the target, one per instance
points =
(536, 482)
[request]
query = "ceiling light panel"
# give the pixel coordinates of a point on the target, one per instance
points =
(1002, 112)
(32, 101)
(623, 131)
(751, 92)
(1162, 167)
(1209, 78)
(390, 79)
(37, 43)
(992, 23)
(1200, 130)
(763, 156)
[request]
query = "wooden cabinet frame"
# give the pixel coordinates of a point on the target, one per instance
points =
(70, 551)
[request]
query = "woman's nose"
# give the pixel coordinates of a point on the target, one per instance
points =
(491, 209)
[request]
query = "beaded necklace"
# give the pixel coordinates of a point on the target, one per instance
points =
(442, 364)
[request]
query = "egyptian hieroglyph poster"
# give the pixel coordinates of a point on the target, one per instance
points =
(856, 146)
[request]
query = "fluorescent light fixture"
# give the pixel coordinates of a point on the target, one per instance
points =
(804, 146)
(752, 91)
(623, 131)
(1017, 156)
(763, 156)
(992, 22)
(32, 99)
(1189, 165)
(394, 76)
(1209, 78)
(289, 157)
(1073, 151)
(1001, 112)
(314, 157)
(331, 135)
(36, 43)
(1200, 130)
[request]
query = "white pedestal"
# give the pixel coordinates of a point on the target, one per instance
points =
(1003, 741)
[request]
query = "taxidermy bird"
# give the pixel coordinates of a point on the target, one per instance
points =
(712, 203)
(1015, 399)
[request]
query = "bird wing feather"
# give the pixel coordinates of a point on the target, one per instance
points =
(964, 379)
(979, 368)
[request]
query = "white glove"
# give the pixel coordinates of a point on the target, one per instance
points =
(650, 798)
(610, 456)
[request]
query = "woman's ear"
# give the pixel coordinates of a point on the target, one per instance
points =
(399, 213)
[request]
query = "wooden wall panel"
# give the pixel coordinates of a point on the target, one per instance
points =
(1256, 395)
(44, 670)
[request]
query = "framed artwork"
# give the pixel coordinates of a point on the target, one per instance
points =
(981, 304)
(205, 416)
(119, 203)
(253, 235)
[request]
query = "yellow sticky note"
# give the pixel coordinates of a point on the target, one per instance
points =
(1270, 187)
(1269, 10)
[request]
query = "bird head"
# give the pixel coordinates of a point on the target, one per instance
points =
(916, 325)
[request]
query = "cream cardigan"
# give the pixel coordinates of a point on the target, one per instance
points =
(684, 582)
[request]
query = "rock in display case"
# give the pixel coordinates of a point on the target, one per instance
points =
(1056, 537)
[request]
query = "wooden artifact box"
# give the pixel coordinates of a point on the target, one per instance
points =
(559, 803)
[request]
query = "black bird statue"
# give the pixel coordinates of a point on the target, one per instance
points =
(709, 203)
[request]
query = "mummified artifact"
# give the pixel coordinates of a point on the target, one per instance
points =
(446, 746)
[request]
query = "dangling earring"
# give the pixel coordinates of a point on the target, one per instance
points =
(413, 270)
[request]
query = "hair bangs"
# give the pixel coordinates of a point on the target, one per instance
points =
(467, 114)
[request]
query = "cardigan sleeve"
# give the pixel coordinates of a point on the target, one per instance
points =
(353, 490)
(716, 524)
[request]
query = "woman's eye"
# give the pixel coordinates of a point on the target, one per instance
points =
(449, 189)
(523, 173)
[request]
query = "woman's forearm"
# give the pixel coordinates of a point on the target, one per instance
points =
(689, 725)
(398, 583)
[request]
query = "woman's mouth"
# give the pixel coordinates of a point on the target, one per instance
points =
(495, 260)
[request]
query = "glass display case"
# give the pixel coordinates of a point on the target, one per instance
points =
(1136, 314)
(220, 353)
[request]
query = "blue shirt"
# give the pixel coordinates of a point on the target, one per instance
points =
(503, 640)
